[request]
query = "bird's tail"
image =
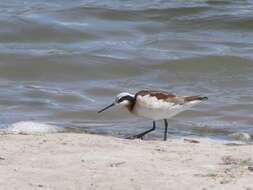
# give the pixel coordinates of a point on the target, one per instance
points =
(193, 98)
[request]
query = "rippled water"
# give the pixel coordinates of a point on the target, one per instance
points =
(61, 61)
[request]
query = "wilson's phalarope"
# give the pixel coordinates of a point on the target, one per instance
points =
(155, 105)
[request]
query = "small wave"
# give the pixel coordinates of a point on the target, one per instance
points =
(30, 127)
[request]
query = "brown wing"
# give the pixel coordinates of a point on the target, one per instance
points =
(158, 94)
(169, 97)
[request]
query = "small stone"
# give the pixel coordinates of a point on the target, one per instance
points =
(250, 168)
(40, 185)
(2, 158)
(160, 150)
(117, 164)
(191, 141)
(224, 181)
(229, 160)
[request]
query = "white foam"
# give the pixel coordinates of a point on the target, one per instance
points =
(30, 127)
(241, 136)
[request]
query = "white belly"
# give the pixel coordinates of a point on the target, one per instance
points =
(152, 108)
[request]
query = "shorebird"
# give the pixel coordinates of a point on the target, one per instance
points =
(155, 105)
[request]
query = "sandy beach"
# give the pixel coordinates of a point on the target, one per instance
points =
(84, 161)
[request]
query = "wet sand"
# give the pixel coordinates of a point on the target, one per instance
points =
(83, 161)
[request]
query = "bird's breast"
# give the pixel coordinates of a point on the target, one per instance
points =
(152, 108)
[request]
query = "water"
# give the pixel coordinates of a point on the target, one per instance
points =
(61, 61)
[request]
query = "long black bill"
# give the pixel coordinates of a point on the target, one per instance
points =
(113, 104)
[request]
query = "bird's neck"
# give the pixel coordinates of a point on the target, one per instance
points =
(131, 103)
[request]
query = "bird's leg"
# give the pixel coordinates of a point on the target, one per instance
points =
(139, 136)
(165, 129)
(146, 132)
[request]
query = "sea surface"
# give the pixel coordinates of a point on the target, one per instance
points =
(61, 61)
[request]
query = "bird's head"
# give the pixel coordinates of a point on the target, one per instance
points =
(122, 99)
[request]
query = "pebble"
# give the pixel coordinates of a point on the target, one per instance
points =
(191, 141)
(250, 168)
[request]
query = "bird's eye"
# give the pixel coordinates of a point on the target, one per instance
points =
(120, 100)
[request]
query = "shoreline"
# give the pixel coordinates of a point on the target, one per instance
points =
(88, 161)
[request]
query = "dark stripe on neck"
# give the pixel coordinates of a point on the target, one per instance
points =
(132, 101)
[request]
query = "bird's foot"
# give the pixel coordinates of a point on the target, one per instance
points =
(135, 137)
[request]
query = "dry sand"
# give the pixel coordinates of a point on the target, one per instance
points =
(81, 161)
